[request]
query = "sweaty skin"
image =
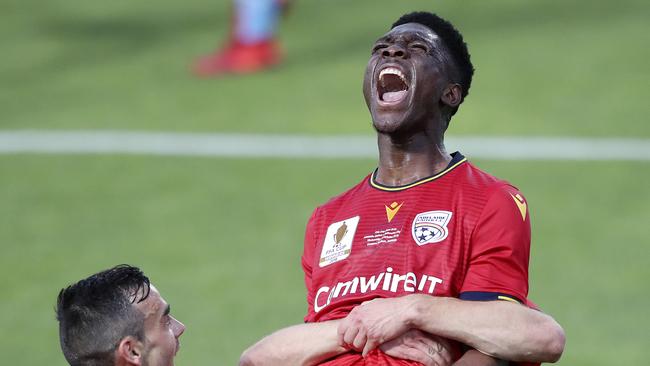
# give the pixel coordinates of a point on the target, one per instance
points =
(161, 331)
(410, 132)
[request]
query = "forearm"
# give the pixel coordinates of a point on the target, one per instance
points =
(476, 358)
(303, 344)
(498, 328)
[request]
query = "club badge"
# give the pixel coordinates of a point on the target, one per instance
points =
(430, 227)
(338, 241)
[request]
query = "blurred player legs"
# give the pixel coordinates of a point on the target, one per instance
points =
(252, 45)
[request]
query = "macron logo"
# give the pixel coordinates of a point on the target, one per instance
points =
(388, 280)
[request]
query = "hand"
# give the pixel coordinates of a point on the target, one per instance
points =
(373, 323)
(415, 345)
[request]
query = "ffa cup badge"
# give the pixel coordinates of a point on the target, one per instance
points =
(430, 227)
(338, 241)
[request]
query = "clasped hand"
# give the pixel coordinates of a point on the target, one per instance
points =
(383, 324)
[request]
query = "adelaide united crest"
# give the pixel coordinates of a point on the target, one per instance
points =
(430, 227)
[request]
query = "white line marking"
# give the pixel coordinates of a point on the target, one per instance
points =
(301, 146)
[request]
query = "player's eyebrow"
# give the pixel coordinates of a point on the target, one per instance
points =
(414, 36)
(168, 309)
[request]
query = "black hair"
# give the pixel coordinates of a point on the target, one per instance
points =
(96, 313)
(453, 42)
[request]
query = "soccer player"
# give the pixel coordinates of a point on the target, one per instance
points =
(252, 44)
(427, 241)
(116, 318)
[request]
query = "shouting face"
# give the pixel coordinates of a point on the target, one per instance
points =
(406, 78)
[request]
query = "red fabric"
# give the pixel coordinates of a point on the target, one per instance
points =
(483, 245)
(500, 246)
(374, 358)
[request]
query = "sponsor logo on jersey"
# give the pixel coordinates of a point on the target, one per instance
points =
(391, 210)
(430, 227)
(385, 281)
(385, 236)
(521, 204)
(338, 241)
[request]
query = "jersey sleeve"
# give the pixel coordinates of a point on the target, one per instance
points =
(307, 261)
(499, 249)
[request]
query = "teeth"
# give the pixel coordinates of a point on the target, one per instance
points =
(391, 70)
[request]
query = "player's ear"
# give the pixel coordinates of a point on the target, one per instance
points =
(129, 351)
(452, 95)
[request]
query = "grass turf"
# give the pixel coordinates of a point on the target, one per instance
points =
(564, 67)
(222, 238)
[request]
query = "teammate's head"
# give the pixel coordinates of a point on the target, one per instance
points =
(419, 71)
(116, 317)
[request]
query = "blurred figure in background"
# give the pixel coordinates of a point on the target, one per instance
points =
(252, 44)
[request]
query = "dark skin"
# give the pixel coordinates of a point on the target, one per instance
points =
(410, 129)
(410, 132)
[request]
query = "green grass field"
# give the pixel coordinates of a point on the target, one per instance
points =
(221, 238)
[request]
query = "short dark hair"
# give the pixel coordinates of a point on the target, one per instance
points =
(452, 40)
(95, 313)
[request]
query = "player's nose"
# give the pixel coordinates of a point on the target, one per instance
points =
(178, 328)
(394, 50)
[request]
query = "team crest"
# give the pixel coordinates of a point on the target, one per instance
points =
(430, 227)
(338, 241)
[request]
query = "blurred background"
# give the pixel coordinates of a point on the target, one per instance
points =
(222, 236)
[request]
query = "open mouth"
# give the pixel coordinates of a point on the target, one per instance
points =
(392, 86)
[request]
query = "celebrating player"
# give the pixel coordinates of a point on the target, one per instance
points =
(116, 318)
(427, 242)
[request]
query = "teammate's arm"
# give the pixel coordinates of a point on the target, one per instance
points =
(312, 343)
(302, 344)
(500, 329)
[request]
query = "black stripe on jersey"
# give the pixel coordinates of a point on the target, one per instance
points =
(456, 159)
(487, 296)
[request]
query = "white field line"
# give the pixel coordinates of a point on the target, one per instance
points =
(301, 146)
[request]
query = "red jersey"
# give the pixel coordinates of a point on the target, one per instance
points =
(460, 233)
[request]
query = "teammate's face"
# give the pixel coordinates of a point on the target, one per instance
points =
(404, 78)
(161, 331)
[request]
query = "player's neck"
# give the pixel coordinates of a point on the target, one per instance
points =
(406, 160)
